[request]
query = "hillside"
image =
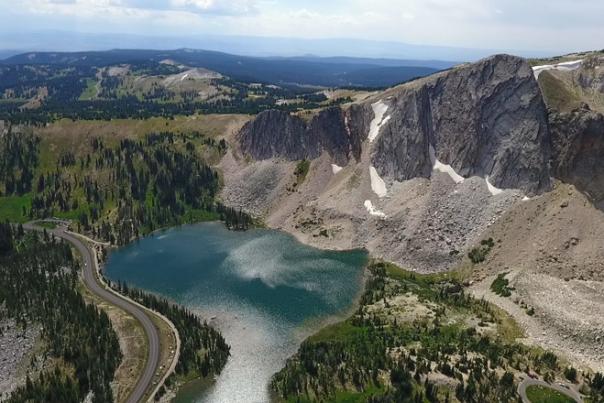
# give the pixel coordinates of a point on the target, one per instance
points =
(489, 170)
(300, 71)
(137, 84)
(424, 172)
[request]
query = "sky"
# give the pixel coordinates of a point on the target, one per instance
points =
(556, 26)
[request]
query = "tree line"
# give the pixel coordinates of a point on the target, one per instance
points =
(120, 192)
(38, 287)
(384, 359)
(203, 350)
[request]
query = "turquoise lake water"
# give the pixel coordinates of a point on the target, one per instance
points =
(263, 289)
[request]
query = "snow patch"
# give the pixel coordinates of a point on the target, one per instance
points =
(377, 184)
(346, 121)
(526, 198)
(184, 77)
(565, 66)
(372, 210)
(494, 191)
(335, 169)
(379, 110)
(444, 168)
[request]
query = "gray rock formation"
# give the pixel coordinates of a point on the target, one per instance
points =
(278, 134)
(484, 119)
(578, 147)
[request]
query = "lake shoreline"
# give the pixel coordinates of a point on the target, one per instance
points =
(272, 280)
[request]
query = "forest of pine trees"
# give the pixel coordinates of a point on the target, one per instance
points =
(118, 193)
(18, 163)
(38, 285)
(204, 352)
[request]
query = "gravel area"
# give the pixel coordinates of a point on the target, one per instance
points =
(16, 347)
(568, 314)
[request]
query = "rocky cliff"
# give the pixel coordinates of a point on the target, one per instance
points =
(485, 119)
(578, 147)
(278, 134)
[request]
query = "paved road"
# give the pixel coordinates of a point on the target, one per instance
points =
(92, 283)
(534, 382)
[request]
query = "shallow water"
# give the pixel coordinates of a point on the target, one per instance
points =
(263, 289)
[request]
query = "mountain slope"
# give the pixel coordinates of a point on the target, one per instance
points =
(244, 68)
(459, 170)
(486, 119)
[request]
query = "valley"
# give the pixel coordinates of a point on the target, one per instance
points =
(477, 193)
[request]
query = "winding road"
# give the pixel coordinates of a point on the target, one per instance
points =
(92, 282)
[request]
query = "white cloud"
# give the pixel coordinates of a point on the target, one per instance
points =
(225, 7)
(542, 25)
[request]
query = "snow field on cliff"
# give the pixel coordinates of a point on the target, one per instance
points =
(379, 110)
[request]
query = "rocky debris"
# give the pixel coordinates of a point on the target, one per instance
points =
(483, 119)
(578, 147)
(541, 235)
(590, 76)
(16, 346)
(279, 134)
(567, 314)
(436, 234)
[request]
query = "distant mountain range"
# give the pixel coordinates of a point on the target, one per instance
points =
(49, 40)
(307, 70)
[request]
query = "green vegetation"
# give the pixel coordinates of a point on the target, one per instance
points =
(90, 90)
(501, 286)
(139, 92)
(479, 254)
(19, 161)
(571, 374)
(38, 285)
(301, 171)
(596, 386)
(204, 352)
(414, 338)
(15, 208)
(116, 192)
(46, 224)
(557, 94)
(541, 394)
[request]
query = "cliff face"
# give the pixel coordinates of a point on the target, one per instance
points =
(578, 147)
(278, 134)
(485, 119)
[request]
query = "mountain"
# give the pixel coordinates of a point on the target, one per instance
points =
(46, 40)
(485, 119)
(481, 169)
(575, 98)
(332, 73)
(418, 172)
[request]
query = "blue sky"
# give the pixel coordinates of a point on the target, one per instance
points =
(552, 25)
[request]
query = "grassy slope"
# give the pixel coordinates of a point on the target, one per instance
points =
(75, 136)
(557, 94)
(540, 394)
(11, 208)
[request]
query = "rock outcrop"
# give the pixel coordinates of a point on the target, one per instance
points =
(278, 134)
(485, 119)
(578, 147)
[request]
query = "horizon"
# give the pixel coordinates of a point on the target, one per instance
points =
(258, 46)
(457, 30)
